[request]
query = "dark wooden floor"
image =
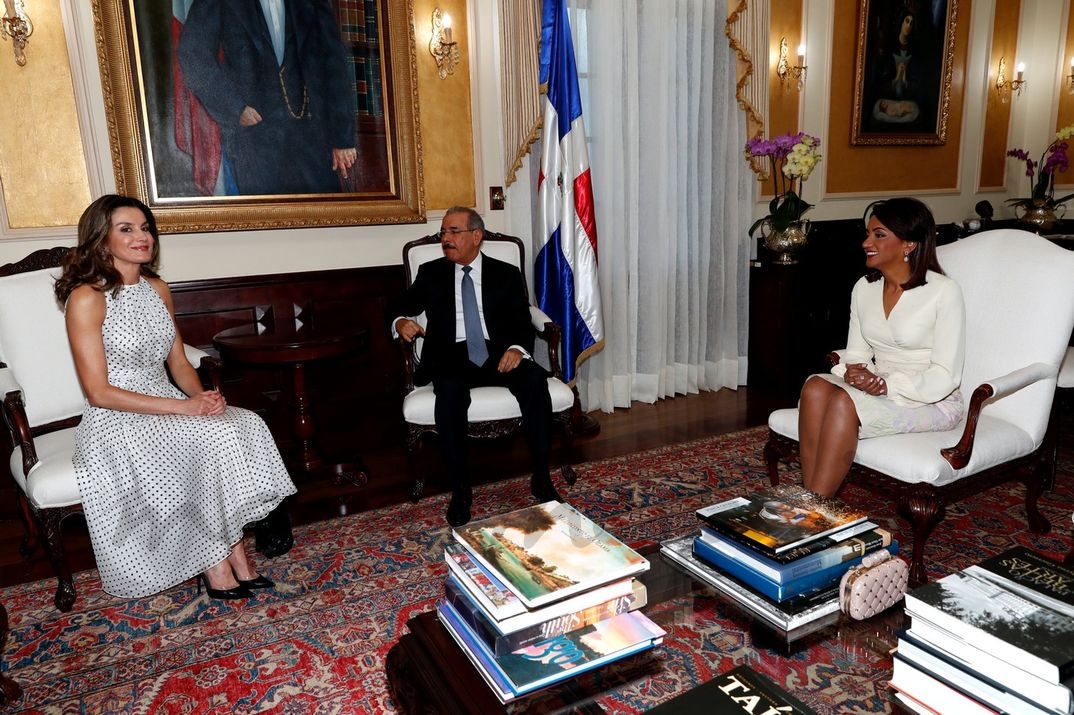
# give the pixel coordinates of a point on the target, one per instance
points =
(624, 431)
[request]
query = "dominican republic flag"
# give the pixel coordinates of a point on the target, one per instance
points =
(565, 271)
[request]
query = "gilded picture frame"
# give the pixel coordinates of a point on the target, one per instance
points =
(137, 47)
(902, 77)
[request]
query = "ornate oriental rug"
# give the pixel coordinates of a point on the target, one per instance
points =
(317, 643)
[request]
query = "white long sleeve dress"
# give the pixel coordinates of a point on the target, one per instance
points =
(918, 349)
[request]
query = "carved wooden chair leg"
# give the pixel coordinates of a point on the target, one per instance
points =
(417, 480)
(923, 510)
(566, 470)
(1035, 484)
(31, 539)
(775, 451)
(57, 556)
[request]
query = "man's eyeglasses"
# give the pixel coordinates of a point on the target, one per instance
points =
(452, 231)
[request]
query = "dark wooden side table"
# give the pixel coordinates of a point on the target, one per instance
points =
(9, 689)
(294, 343)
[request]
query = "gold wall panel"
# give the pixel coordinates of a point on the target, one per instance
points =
(1065, 116)
(42, 162)
(446, 120)
(783, 97)
(997, 113)
(892, 169)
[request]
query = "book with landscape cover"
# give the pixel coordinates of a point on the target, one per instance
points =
(986, 677)
(1026, 634)
(717, 558)
(778, 572)
(501, 643)
(553, 660)
(741, 691)
(780, 518)
(797, 616)
(485, 589)
(548, 552)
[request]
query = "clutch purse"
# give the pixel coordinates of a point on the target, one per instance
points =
(874, 586)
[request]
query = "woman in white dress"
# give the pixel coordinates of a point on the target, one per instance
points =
(905, 349)
(169, 476)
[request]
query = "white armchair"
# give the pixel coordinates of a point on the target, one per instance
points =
(493, 412)
(42, 405)
(1019, 315)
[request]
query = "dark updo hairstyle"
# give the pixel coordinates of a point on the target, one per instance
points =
(910, 220)
(90, 261)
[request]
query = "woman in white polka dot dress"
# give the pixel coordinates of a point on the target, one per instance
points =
(169, 477)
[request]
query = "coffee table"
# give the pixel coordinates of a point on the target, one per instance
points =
(428, 673)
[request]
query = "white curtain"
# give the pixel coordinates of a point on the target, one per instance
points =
(673, 196)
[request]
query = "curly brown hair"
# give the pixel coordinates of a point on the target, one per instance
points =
(89, 261)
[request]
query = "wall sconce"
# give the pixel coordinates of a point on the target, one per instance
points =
(441, 46)
(16, 25)
(783, 68)
(1070, 77)
(1005, 86)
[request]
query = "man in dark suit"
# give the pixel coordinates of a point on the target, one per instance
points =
(494, 351)
(274, 76)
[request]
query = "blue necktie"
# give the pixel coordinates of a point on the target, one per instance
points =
(471, 318)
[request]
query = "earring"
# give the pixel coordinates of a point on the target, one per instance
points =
(906, 258)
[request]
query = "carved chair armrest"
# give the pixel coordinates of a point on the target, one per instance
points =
(958, 456)
(14, 412)
(409, 360)
(552, 335)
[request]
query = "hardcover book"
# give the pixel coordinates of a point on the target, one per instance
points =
(985, 677)
(498, 601)
(778, 572)
(716, 558)
(1032, 576)
(932, 693)
(548, 552)
(553, 660)
(993, 618)
(501, 643)
(741, 691)
(780, 518)
(524, 618)
(796, 617)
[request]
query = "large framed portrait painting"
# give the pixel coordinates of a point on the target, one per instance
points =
(249, 114)
(902, 77)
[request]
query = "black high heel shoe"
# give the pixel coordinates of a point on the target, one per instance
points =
(258, 581)
(224, 594)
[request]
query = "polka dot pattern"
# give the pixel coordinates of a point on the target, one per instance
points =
(166, 496)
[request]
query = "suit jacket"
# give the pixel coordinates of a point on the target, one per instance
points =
(226, 55)
(503, 302)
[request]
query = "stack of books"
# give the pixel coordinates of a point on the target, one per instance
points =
(780, 554)
(542, 594)
(997, 636)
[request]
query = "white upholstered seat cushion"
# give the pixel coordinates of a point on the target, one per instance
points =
(916, 457)
(486, 403)
(52, 481)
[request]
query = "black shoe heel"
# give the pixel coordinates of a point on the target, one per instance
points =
(257, 582)
(223, 594)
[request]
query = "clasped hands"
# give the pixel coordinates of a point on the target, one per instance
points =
(209, 402)
(409, 329)
(858, 375)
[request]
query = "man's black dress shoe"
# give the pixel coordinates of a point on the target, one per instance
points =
(458, 511)
(543, 490)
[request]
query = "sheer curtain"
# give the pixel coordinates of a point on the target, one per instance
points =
(673, 199)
